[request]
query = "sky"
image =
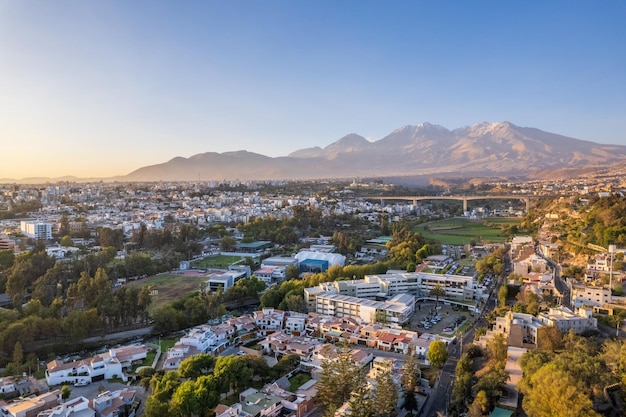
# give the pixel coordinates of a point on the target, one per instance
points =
(103, 87)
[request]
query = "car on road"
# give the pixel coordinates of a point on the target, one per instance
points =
(81, 384)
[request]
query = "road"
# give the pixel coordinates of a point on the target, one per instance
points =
(442, 392)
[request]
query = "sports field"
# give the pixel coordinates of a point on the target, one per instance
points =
(170, 287)
(216, 261)
(460, 231)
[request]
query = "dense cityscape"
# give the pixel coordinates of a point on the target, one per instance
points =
(306, 299)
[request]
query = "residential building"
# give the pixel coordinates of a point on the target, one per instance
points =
(36, 230)
(113, 404)
(30, 407)
(76, 407)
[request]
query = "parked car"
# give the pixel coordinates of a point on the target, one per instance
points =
(81, 384)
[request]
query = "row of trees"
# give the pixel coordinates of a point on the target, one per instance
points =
(476, 391)
(343, 380)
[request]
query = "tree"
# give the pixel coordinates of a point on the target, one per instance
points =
(196, 365)
(502, 295)
(292, 272)
(361, 402)
(65, 392)
(553, 392)
(437, 353)
(337, 380)
(437, 291)
(492, 383)
(385, 394)
(480, 405)
(411, 372)
(227, 243)
(7, 257)
(549, 338)
(497, 348)
(67, 241)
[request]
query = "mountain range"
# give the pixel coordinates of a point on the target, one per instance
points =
(484, 149)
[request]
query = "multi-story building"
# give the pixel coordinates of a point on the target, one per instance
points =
(36, 230)
(348, 298)
(395, 311)
(521, 330)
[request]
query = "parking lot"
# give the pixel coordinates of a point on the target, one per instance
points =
(437, 319)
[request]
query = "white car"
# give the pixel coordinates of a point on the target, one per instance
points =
(81, 384)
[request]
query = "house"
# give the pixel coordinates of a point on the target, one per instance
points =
(77, 407)
(178, 353)
(260, 404)
(7, 386)
(268, 319)
(113, 404)
(30, 407)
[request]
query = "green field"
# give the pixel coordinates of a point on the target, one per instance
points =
(170, 287)
(460, 231)
(217, 261)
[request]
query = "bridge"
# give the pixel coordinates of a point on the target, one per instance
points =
(463, 198)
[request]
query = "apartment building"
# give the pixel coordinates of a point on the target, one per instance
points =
(36, 230)
(395, 311)
(521, 330)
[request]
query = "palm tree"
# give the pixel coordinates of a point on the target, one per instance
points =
(437, 291)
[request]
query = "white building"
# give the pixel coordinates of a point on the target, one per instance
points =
(36, 230)
(201, 337)
(396, 311)
(464, 289)
(105, 366)
(76, 407)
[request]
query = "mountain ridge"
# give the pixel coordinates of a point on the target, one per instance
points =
(482, 149)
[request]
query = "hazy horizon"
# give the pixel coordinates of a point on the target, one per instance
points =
(99, 89)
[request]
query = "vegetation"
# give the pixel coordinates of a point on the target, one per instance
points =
(462, 231)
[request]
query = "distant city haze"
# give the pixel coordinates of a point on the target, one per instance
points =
(103, 88)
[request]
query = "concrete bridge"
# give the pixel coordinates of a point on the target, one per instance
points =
(463, 198)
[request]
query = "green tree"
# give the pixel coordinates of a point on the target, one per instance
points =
(292, 272)
(480, 405)
(411, 372)
(502, 295)
(437, 353)
(553, 392)
(462, 386)
(65, 392)
(67, 241)
(385, 394)
(437, 291)
(497, 349)
(7, 257)
(197, 365)
(336, 380)
(549, 338)
(361, 402)
(227, 243)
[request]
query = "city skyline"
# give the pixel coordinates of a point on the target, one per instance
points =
(100, 89)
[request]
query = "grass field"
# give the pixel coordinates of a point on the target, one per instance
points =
(169, 287)
(217, 261)
(460, 231)
(298, 380)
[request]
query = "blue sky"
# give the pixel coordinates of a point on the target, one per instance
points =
(100, 88)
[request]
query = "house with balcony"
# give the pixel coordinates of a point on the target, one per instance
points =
(76, 407)
(114, 404)
(268, 320)
(178, 353)
(104, 366)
